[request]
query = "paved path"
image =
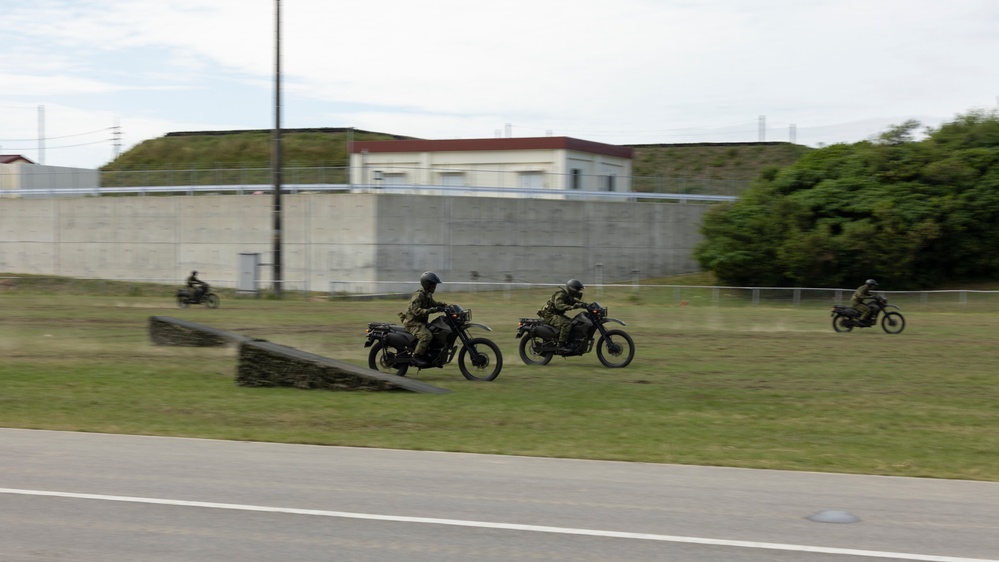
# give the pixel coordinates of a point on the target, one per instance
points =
(107, 498)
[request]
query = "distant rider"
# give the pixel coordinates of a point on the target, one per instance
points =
(562, 301)
(196, 285)
(861, 297)
(415, 318)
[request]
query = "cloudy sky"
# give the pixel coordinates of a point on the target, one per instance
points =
(616, 71)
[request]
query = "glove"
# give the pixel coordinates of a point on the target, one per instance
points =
(440, 308)
(580, 305)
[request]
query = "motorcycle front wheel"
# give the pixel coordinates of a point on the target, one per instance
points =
(842, 324)
(529, 354)
(893, 323)
(212, 301)
(480, 360)
(615, 349)
(382, 359)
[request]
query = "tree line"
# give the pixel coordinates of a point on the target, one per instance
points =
(912, 214)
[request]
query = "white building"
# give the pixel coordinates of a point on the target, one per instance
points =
(549, 163)
(20, 177)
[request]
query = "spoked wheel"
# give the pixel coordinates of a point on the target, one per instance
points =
(842, 323)
(182, 302)
(893, 323)
(529, 353)
(482, 364)
(212, 300)
(616, 349)
(382, 359)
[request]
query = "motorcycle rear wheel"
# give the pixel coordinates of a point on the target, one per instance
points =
(212, 300)
(893, 323)
(483, 365)
(182, 302)
(529, 354)
(382, 359)
(616, 349)
(842, 324)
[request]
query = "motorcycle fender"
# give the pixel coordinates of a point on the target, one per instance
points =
(893, 306)
(368, 343)
(483, 326)
(606, 320)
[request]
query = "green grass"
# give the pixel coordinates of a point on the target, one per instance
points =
(745, 386)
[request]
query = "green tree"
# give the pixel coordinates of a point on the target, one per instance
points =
(914, 213)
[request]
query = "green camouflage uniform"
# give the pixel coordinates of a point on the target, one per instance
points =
(416, 316)
(553, 312)
(859, 300)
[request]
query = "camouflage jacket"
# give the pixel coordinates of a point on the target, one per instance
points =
(861, 295)
(421, 305)
(560, 302)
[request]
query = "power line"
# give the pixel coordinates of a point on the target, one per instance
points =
(60, 137)
(65, 146)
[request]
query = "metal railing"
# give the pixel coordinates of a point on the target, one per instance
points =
(264, 189)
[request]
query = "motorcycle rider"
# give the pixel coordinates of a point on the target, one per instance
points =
(553, 311)
(415, 318)
(196, 285)
(860, 298)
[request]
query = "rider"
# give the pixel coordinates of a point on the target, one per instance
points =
(415, 317)
(196, 285)
(860, 298)
(553, 312)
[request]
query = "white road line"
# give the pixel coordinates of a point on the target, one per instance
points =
(506, 526)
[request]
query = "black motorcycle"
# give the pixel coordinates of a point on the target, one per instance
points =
(187, 297)
(539, 340)
(392, 346)
(846, 318)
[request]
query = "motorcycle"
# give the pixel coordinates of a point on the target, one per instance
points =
(187, 297)
(846, 318)
(392, 346)
(539, 340)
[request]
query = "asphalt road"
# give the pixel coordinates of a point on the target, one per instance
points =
(92, 497)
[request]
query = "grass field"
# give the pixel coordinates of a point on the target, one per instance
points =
(727, 385)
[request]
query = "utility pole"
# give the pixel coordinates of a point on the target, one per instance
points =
(41, 134)
(276, 156)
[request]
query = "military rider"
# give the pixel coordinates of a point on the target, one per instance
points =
(553, 312)
(860, 298)
(421, 305)
(196, 285)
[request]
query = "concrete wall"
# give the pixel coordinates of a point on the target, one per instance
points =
(363, 242)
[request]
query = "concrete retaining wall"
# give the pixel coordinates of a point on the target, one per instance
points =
(358, 240)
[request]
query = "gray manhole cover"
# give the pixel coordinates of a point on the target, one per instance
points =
(833, 516)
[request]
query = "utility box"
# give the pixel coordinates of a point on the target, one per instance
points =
(249, 274)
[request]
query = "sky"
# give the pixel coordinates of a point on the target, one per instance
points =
(84, 80)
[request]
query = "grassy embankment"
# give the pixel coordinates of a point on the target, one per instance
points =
(244, 157)
(768, 386)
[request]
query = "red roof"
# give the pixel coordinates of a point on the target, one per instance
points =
(523, 143)
(11, 158)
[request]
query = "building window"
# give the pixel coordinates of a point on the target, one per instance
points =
(532, 180)
(576, 179)
(394, 178)
(453, 179)
(609, 182)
